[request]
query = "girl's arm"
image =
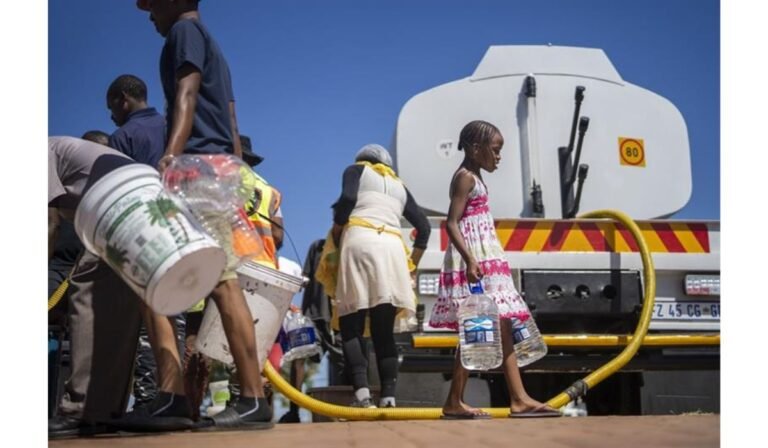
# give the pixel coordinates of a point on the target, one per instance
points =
(462, 185)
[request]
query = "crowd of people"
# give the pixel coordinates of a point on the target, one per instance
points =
(373, 286)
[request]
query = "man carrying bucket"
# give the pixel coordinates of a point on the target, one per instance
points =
(104, 313)
(201, 120)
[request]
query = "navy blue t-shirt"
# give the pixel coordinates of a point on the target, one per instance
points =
(188, 42)
(142, 137)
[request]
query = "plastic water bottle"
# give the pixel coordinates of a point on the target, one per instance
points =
(214, 189)
(218, 388)
(529, 345)
(479, 331)
(302, 337)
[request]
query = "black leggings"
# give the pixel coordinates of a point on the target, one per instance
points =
(382, 325)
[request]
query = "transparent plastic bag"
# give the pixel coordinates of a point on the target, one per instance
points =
(214, 188)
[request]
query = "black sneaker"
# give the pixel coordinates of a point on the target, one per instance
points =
(244, 414)
(62, 426)
(253, 409)
(165, 404)
(167, 412)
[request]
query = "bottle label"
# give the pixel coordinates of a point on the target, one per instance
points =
(478, 330)
(520, 333)
(301, 336)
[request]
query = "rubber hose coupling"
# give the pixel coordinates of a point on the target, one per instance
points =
(577, 390)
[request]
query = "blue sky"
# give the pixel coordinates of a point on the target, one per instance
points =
(314, 81)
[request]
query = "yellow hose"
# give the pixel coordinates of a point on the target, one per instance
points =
(589, 340)
(57, 295)
(581, 387)
(350, 413)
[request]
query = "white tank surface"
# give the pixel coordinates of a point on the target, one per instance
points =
(636, 145)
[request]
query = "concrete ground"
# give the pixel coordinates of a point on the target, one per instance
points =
(698, 431)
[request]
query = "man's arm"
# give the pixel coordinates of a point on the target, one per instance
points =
(235, 132)
(187, 87)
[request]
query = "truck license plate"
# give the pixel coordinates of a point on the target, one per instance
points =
(686, 311)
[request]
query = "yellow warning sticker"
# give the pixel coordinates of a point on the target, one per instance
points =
(631, 151)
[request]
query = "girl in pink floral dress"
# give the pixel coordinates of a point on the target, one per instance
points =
(475, 255)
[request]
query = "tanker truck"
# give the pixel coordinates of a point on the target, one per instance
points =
(577, 138)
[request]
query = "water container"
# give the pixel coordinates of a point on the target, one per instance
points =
(302, 337)
(479, 331)
(268, 293)
(131, 223)
(529, 345)
(218, 388)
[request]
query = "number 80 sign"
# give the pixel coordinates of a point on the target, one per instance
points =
(631, 151)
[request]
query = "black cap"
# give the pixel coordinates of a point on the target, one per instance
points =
(250, 157)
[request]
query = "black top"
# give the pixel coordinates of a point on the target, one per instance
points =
(142, 137)
(348, 199)
(315, 303)
(188, 42)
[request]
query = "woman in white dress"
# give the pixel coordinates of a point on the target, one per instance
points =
(374, 265)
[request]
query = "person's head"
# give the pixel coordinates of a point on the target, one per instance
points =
(164, 13)
(482, 142)
(249, 157)
(126, 94)
(374, 153)
(97, 137)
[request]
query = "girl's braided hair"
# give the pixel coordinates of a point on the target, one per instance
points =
(478, 131)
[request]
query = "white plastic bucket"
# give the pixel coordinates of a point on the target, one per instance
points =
(128, 220)
(268, 293)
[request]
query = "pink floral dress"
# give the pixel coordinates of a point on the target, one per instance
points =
(476, 226)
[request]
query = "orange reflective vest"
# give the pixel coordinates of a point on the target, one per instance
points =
(265, 201)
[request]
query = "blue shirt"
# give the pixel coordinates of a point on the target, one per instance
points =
(142, 137)
(188, 42)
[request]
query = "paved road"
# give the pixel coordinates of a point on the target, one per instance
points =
(700, 431)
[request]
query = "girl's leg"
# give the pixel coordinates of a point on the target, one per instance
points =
(354, 347)
(454, 403)
(382, 324)
(519, 399)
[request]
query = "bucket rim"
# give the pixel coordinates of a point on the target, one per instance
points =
(270, 276)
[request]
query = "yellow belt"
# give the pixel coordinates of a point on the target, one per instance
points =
(360, 222)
